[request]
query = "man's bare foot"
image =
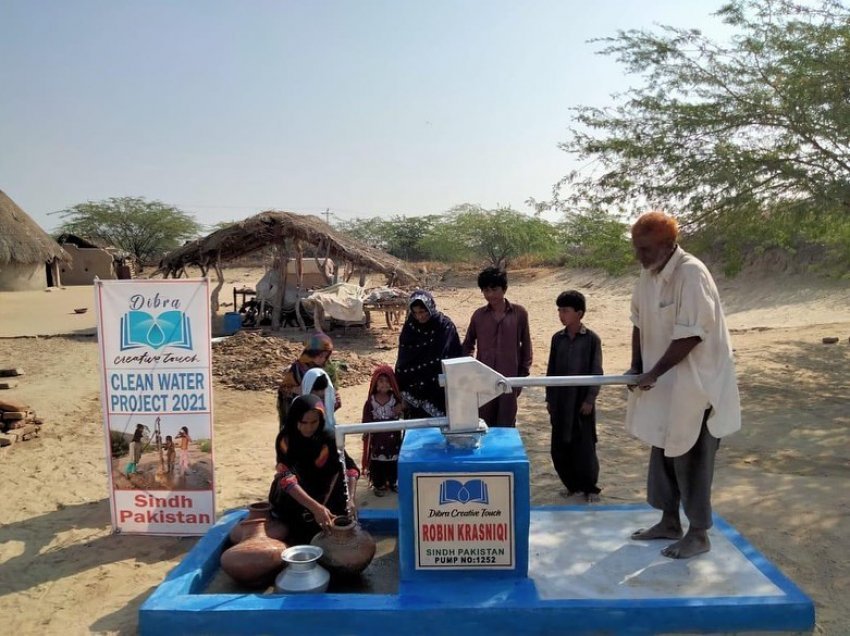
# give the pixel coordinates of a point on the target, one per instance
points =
(592, 497)
(668, 528)
(693, 543)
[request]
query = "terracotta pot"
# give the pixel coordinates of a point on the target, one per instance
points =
(254, 561)
(348, 548)
(302, 574)
(275, 528)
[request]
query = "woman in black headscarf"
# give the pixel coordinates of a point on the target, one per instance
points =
(309, 487)
(427, 338)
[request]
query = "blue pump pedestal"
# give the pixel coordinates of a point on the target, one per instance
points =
(463, 511)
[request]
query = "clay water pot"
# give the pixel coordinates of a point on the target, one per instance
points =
(275, 528)
(348, 548)
(255, 560)
(302, 574)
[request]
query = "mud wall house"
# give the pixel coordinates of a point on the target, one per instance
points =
(29, 258)
(87, 261)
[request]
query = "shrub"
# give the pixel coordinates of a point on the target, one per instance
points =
(118, 442)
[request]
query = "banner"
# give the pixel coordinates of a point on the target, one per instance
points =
(156, 392)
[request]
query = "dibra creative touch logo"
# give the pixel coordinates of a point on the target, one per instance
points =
(475, 490)
(141, 329)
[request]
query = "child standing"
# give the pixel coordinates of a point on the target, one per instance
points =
(380, 450)
(317, 382)
(184, 438)
(500, 333)
(169, 453)
(572, 413)
(317, 351)
(138, 434)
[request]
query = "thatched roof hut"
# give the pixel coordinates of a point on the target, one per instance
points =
(289, 232)
(66, 238)
(25, 250)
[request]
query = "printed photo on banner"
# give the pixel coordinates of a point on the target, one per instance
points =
(156, 393)
(155, 452)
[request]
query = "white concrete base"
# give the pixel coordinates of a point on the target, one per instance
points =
(585, 553)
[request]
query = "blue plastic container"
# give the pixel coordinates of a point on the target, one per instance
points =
(232, 322)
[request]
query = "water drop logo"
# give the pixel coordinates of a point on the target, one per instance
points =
(141, 329)
(475, 490)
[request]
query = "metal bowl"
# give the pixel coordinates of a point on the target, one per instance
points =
(302, 574)
(302, 554)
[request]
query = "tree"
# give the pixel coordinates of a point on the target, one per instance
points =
(497, 236)
(371, 231)
(597, 239)
(143, 228)
(758, 129)
(400, 236)
(404, 235)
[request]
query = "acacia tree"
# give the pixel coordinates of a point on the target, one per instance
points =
(758, 128)
(143, 228)
(596, 239)
(370, 230)
(399, 235)
(496, 236)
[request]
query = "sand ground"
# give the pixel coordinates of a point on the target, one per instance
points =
(781, 481)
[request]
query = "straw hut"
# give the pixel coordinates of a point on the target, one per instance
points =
(289, 234)
(29, 258)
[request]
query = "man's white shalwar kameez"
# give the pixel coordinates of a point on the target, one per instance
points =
(678, 302)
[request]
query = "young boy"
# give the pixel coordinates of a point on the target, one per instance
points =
(169, 453)
(575, 351)
(500, 331)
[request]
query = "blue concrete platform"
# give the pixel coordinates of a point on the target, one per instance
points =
(584, 577)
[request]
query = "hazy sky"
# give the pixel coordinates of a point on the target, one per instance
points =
(363, 107)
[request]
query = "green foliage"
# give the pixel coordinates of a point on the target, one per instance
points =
(597, 239)
(404, 235)
(789, 228)
(400, 236)
(471, 234)
(145, 229)
(729, 135)
(370, 231)
(334, 368)
(119, 444)
(495, 236)
(205, 445)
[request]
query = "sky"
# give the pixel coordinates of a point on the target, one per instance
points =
(358, 108)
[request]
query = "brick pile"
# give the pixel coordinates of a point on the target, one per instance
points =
(18, 422)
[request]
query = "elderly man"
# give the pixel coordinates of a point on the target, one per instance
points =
(685, 396)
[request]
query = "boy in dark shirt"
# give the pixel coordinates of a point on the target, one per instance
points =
(572, 413)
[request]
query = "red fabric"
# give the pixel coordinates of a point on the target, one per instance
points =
(287, 477)
(385, 370)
